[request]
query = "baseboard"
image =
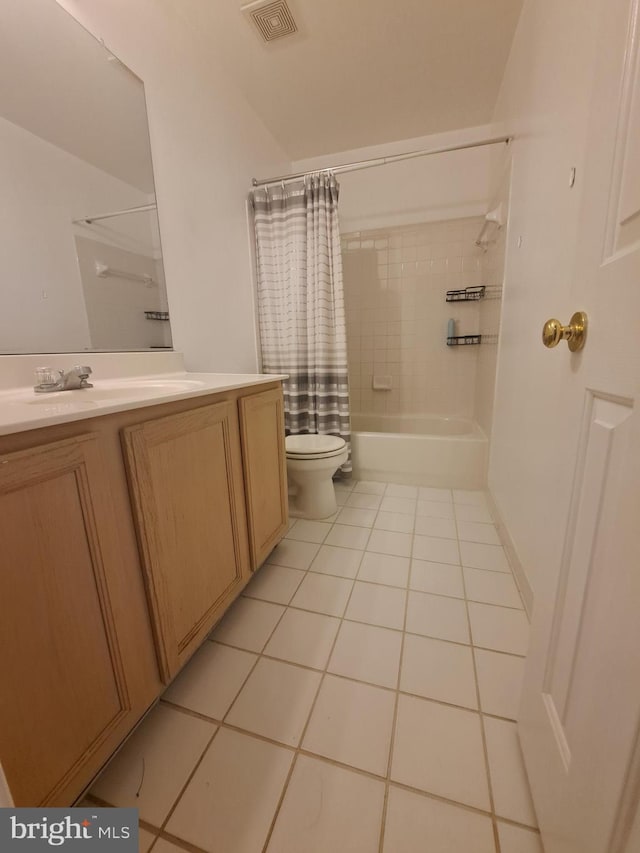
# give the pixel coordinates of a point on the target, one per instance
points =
(520, 575)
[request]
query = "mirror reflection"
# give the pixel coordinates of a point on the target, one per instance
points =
(79, 240)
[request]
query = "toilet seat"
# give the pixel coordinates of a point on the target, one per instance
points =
(313, 446)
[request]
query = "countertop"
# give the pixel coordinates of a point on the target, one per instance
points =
(22, 409)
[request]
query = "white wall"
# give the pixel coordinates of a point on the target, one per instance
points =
(43, 189)
(206, 144)
(116, 306)
(544, 101)
(425, 189)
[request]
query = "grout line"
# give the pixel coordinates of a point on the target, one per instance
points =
(382, 583)
(496, 837)
(373, 625)
(308, 720)
(394, 721)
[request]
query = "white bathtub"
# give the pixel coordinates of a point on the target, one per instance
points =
(424, 450)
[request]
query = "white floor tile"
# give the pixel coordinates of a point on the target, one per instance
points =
(399, 522)
(438, 670)
(500, 682)
(416, 824)
(437, 616)
(323, 594)
(397, 491)
(511, 794)
(351, 723)
(341, 497)
(248, 624)
(304, 638)
(274, 583)
(491, 558)
(346, 536)
(468, 496)
(331, 560)
(164, 846)
(498, 628)
(475, 531)
(293, 555)
(437, 578)
(435, 509)
(345, 485)
(369, 487)
(377, 605)
(275, 701)
(230, 802)
(385, 569)
(515, 839)
(470, 512)
(388, 542)
(357, 500)
(328, 808)
(492, 588)
(152, 767)
(145, 840)
(439, 749)
(367, 653)
(211, 680)
(404, 505)
(425, 493)
(309, 531)
(445, 528)
(436, 550)
(356, 517)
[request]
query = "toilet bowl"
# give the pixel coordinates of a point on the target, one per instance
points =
(312, 461)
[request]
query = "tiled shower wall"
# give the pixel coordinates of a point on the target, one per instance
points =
(395, 281)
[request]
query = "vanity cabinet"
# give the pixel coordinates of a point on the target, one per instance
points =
(265, 471)
(124, 538)
(185, 473)
(77, 664)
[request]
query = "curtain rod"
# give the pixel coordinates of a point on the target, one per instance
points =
(381, 161)
(87, 220)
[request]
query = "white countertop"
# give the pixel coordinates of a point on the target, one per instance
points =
(22, 409)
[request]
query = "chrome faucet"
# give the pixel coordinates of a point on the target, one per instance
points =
(50, 379)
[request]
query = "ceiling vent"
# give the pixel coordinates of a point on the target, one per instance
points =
(272, 18)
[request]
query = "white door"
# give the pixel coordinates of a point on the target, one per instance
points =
(580, 713)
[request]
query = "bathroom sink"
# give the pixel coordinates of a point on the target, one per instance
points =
(123, 389)
(153, 385)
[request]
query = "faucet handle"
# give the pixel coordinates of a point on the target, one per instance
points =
(47, 377)
(82, 371)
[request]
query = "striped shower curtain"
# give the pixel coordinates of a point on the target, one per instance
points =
(301, 303)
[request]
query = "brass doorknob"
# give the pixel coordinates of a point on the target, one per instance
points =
(575, 334)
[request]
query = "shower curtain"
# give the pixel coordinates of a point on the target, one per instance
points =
(301, 303)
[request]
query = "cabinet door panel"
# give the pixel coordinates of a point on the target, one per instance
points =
(265, 471)
(185, 477)
(63, 686)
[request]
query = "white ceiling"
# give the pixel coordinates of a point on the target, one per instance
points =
(60, 83)
(363, 72)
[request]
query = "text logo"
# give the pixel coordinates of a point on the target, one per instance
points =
(70, 830)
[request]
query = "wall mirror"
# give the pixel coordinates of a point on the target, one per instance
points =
(80, 257)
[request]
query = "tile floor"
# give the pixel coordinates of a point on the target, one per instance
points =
(359, 696)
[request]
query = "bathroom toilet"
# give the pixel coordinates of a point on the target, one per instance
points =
(312, 461)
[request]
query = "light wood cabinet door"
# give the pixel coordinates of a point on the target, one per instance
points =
(185, 473)
(265, 471)
(66, 700)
